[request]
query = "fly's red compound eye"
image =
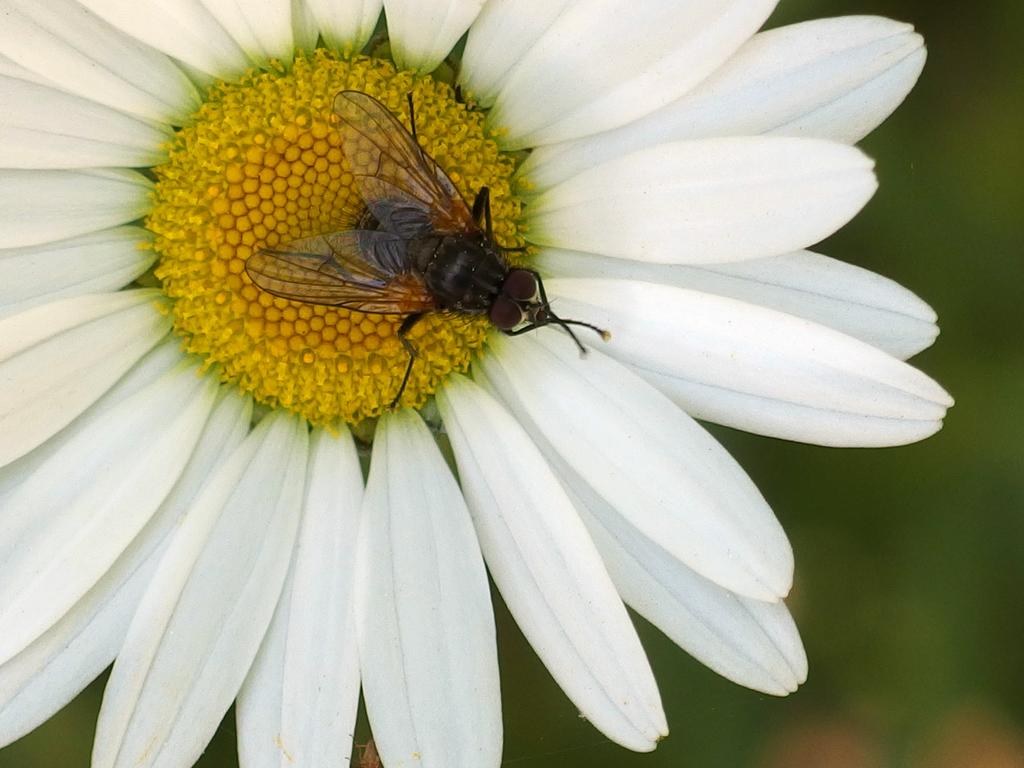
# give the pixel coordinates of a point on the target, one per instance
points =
(505, 314)
(520, 285)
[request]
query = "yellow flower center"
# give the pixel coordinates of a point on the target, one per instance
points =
(262, 166)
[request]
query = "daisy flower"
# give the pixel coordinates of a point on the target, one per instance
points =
(181, 493)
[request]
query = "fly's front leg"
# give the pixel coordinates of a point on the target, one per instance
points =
(540, 288)
(482, 211)
(524, 329)
(403, 332)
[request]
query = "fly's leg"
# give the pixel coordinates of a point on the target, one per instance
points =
(412, 118)
(487, 216)
(482, 215)
(524, 329)
(412, 125)
(482, 211)
(403, 331)
(540, 288)
(478, 203)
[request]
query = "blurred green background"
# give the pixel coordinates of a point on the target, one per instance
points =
(909, 560)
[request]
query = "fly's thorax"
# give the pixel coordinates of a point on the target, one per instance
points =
(465, 273)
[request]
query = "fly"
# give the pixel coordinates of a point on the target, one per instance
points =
(419, 248)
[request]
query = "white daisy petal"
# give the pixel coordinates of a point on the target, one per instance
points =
(604, 64)
(99, 261)
(262, 28)
(854, 73)
(423, 32)
(10, 68)
(706, 201)
(757, 369)
(51, 671)
(44, 206)
(153, 366)
(44, 128)
(208, 606)
(346, 24)
(648, 460)
(502, 34)
(69, 521)
(753, 643)
(852, 300)
(59, 358)
(548, 570)
(79, 52)
(185, 29)
(423, 609)
(157, 363)
(832, 79)
(304, 26)
(298, 704)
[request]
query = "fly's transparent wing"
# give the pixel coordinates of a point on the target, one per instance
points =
(405, 190)
(334, 270)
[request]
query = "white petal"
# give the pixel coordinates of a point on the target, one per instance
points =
(753, 643)
(648, 460)
(44, 206)
(208, 606)
(304, 26)
(852, 300)
(757, 369)
(855, 72)
(548, 570)
(346, 24)
(70, 520)
(44, 128)
(423, 32)
(99, 261)
(57, 359)
(604, 64)
(502, 34)
(69, 46)
(163, 357)
(262, 28)
(832, 79)
(50, 672)
(10, 68)
(185, 29)
(298, 705)
(423, 609)
(706, 201)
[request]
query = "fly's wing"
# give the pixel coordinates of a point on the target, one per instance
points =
(334, 270)
(405, 190)
(371, 253)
